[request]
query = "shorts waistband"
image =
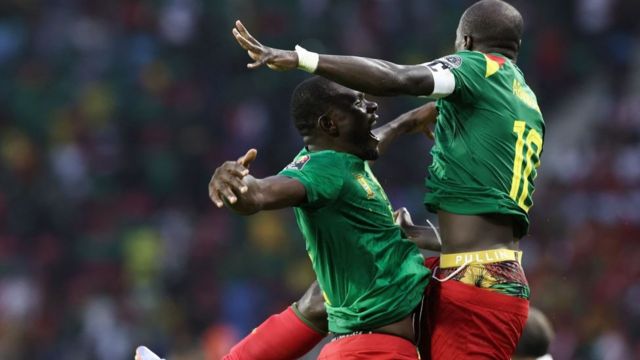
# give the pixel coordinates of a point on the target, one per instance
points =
(355, 333)
(337, 337)
(479, 257)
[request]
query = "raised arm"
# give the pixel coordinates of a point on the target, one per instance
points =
(371, 76)
(414, 121)
(231, 185)
(374, 76)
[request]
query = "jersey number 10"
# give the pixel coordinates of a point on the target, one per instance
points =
(520, 179)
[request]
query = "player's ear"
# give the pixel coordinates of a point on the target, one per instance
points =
(327, 124)
(468, 42)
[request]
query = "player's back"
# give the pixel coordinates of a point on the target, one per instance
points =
(489, 138)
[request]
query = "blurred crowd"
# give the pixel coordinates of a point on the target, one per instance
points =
(114, 114)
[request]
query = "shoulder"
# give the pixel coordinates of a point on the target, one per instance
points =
(322, 174)
(448, 62)
(460, 59)
(299, 162)
(477, 62)
(456, 73)
(318, 159)
(319, 165)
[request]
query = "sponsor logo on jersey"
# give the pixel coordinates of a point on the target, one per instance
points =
(299, 163)
(454, 60)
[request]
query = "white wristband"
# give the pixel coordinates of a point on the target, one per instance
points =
(307, 60)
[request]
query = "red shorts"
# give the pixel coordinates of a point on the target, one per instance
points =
(466, 322)
(369, 346)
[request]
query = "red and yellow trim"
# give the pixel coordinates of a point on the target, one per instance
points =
(494, 63)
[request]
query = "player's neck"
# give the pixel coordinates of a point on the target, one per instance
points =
(320, 145)
(509, 54)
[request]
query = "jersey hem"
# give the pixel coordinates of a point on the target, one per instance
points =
(419, 292)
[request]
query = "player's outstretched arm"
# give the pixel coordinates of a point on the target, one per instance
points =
(420, 119)
(231, 185)
(371, 76)
(424, 237)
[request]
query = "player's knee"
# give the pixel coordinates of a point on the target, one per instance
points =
(311, 306)
(536, 336)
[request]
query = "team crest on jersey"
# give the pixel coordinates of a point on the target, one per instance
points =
(365, 186)
(299, 163)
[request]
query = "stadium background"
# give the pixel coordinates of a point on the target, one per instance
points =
(113, 115)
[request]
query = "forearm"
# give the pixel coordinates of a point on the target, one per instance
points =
(249, 202)
(371, 76)
(270, 193)
(375, 77)
(408, 123)
(388, 133)
(424, 237)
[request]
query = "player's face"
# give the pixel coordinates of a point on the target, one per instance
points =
(358, 120)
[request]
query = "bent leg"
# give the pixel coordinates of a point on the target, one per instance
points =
(288, 335)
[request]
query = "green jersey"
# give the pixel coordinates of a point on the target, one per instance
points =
(489, 136)
(370, 274)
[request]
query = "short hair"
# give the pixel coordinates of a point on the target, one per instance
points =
(310, 100)
(536, 336)
(494, 24)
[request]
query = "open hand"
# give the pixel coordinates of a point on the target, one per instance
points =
(227, 180)
(275, 59)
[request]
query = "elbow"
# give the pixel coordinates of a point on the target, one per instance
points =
(390, 81)
(398, 83)
(245, 208)
(412, 81)
(431, 245)
(245, 211)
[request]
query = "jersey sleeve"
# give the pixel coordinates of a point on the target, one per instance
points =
(321, 174)
(457, 75)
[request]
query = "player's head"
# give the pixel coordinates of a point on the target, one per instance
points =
(490, 26)
(332, 116)
(536, 337)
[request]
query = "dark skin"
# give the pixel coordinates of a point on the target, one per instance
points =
(536, 337)
(460, 233)
(344, 129)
